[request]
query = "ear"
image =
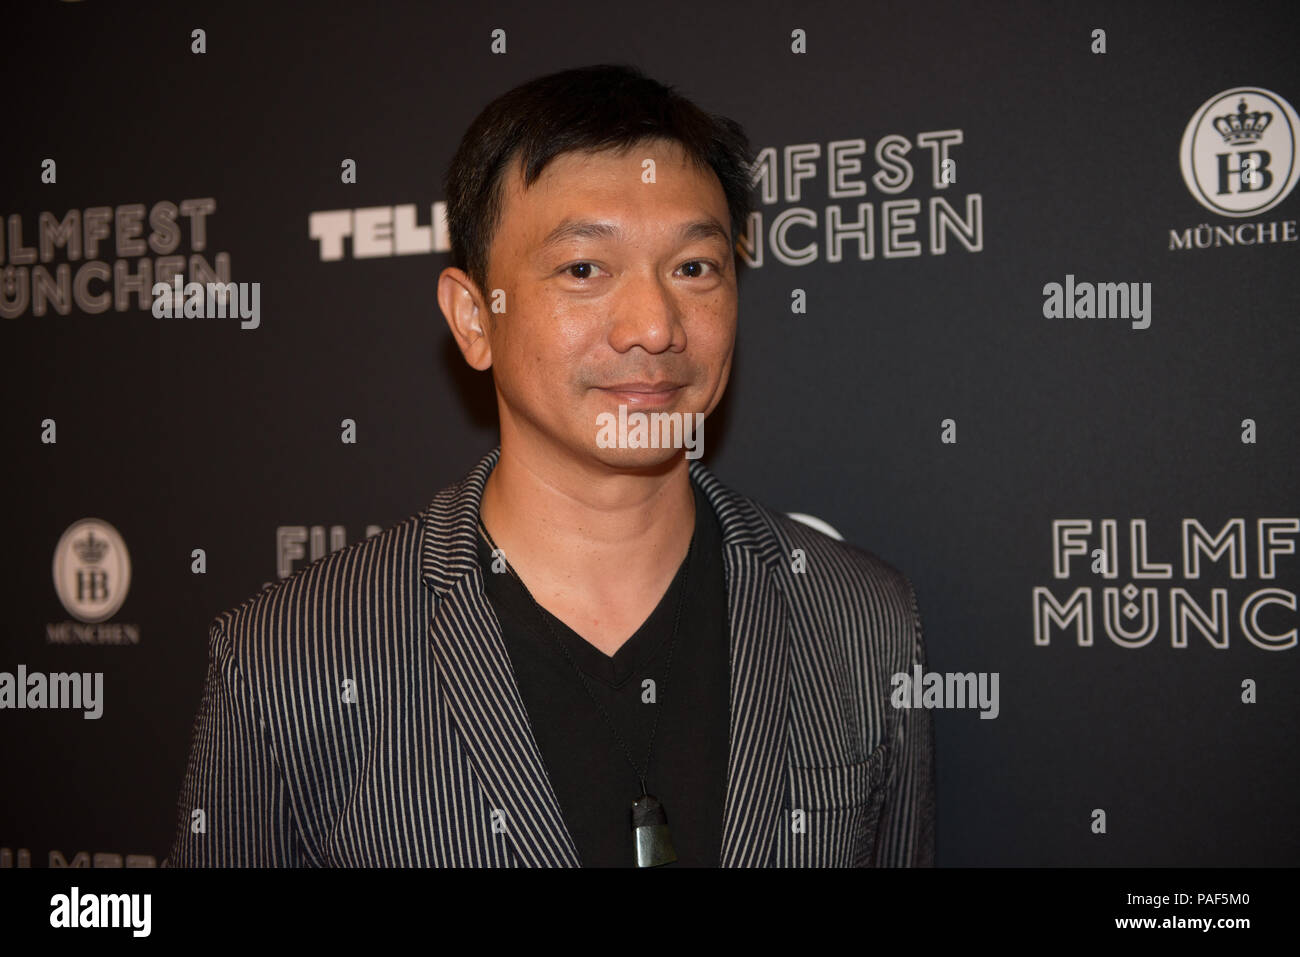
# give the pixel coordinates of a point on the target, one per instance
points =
(462, 307)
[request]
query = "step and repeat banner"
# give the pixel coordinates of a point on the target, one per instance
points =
(1018, 314)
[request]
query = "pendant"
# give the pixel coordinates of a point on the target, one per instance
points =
(654, 845)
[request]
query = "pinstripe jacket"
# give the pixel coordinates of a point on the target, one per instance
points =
(364, 712)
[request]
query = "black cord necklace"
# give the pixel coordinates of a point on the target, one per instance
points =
(651, 839)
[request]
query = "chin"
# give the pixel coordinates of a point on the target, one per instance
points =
(649, 461)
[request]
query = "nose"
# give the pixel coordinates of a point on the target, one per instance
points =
(647, 314)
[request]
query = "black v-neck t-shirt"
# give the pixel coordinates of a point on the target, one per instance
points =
(588, 769)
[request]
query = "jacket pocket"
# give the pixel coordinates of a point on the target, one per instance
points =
(832, 813)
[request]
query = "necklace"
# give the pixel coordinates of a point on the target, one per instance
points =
(651, 839)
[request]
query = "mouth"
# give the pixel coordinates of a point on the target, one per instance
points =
(644, 393)
(663, 385)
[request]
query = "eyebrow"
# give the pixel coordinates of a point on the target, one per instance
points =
(571, 229)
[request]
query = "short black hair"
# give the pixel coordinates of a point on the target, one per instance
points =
(608, 106)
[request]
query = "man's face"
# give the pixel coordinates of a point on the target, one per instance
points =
(646, 297)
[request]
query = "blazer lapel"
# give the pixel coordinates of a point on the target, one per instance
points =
(478, 681)
(760, 658)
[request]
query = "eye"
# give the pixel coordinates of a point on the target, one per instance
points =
(699, 263)
(588, 269)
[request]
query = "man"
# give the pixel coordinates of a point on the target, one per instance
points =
(586, 652)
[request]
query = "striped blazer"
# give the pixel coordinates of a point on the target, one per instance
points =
(363, 712)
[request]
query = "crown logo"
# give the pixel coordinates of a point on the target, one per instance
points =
(90, 548)
(1242, 128)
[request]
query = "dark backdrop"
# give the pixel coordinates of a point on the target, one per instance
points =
(200, 434)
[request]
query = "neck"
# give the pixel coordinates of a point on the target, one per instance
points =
(581, 533)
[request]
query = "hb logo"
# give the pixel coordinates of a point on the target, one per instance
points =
(1238, 153)
(92, 570)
